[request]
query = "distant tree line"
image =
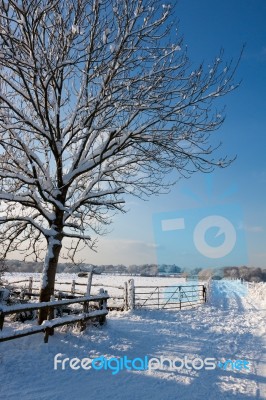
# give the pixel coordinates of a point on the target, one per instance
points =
(246, 273)
(249, 274)
(144, 269)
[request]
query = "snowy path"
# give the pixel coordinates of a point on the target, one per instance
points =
(232, 326)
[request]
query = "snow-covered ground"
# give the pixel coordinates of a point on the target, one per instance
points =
(104, 280)
(231, 326)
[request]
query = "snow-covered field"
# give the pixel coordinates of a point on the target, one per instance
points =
(104, 280)
(231, 326)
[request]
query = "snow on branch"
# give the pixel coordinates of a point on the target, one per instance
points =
(97, 100)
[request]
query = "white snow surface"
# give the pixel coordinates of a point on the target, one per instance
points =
(231, 326)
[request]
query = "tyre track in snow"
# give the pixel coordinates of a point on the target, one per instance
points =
(235, 298)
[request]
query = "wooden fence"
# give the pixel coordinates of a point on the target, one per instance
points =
(128, 296)
(29, 288)
(48, 326)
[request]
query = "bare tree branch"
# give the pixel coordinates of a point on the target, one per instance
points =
(97, 99)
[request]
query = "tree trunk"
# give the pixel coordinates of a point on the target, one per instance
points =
(48, 275)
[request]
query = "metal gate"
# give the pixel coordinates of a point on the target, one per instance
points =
(169, 297)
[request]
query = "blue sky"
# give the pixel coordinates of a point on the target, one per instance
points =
(207, 27)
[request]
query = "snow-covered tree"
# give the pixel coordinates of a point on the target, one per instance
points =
(98, 100)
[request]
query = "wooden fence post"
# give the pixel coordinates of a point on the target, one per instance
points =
(102, 306)
(125, 297)
(22, 294)
(49, 331)
(131, 294)
(51, 315)
(73, 287)
(60, 308)
(2, 318)
(30, 286)
(88, 291)
(204, 293)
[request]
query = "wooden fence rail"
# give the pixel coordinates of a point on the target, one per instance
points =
(73, 288)
(48, 326)
(130, 296)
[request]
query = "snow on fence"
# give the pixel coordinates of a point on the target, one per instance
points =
(29, 287)
(48, 326)
(129, 296)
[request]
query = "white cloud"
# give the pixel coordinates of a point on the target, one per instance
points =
(119, 251)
